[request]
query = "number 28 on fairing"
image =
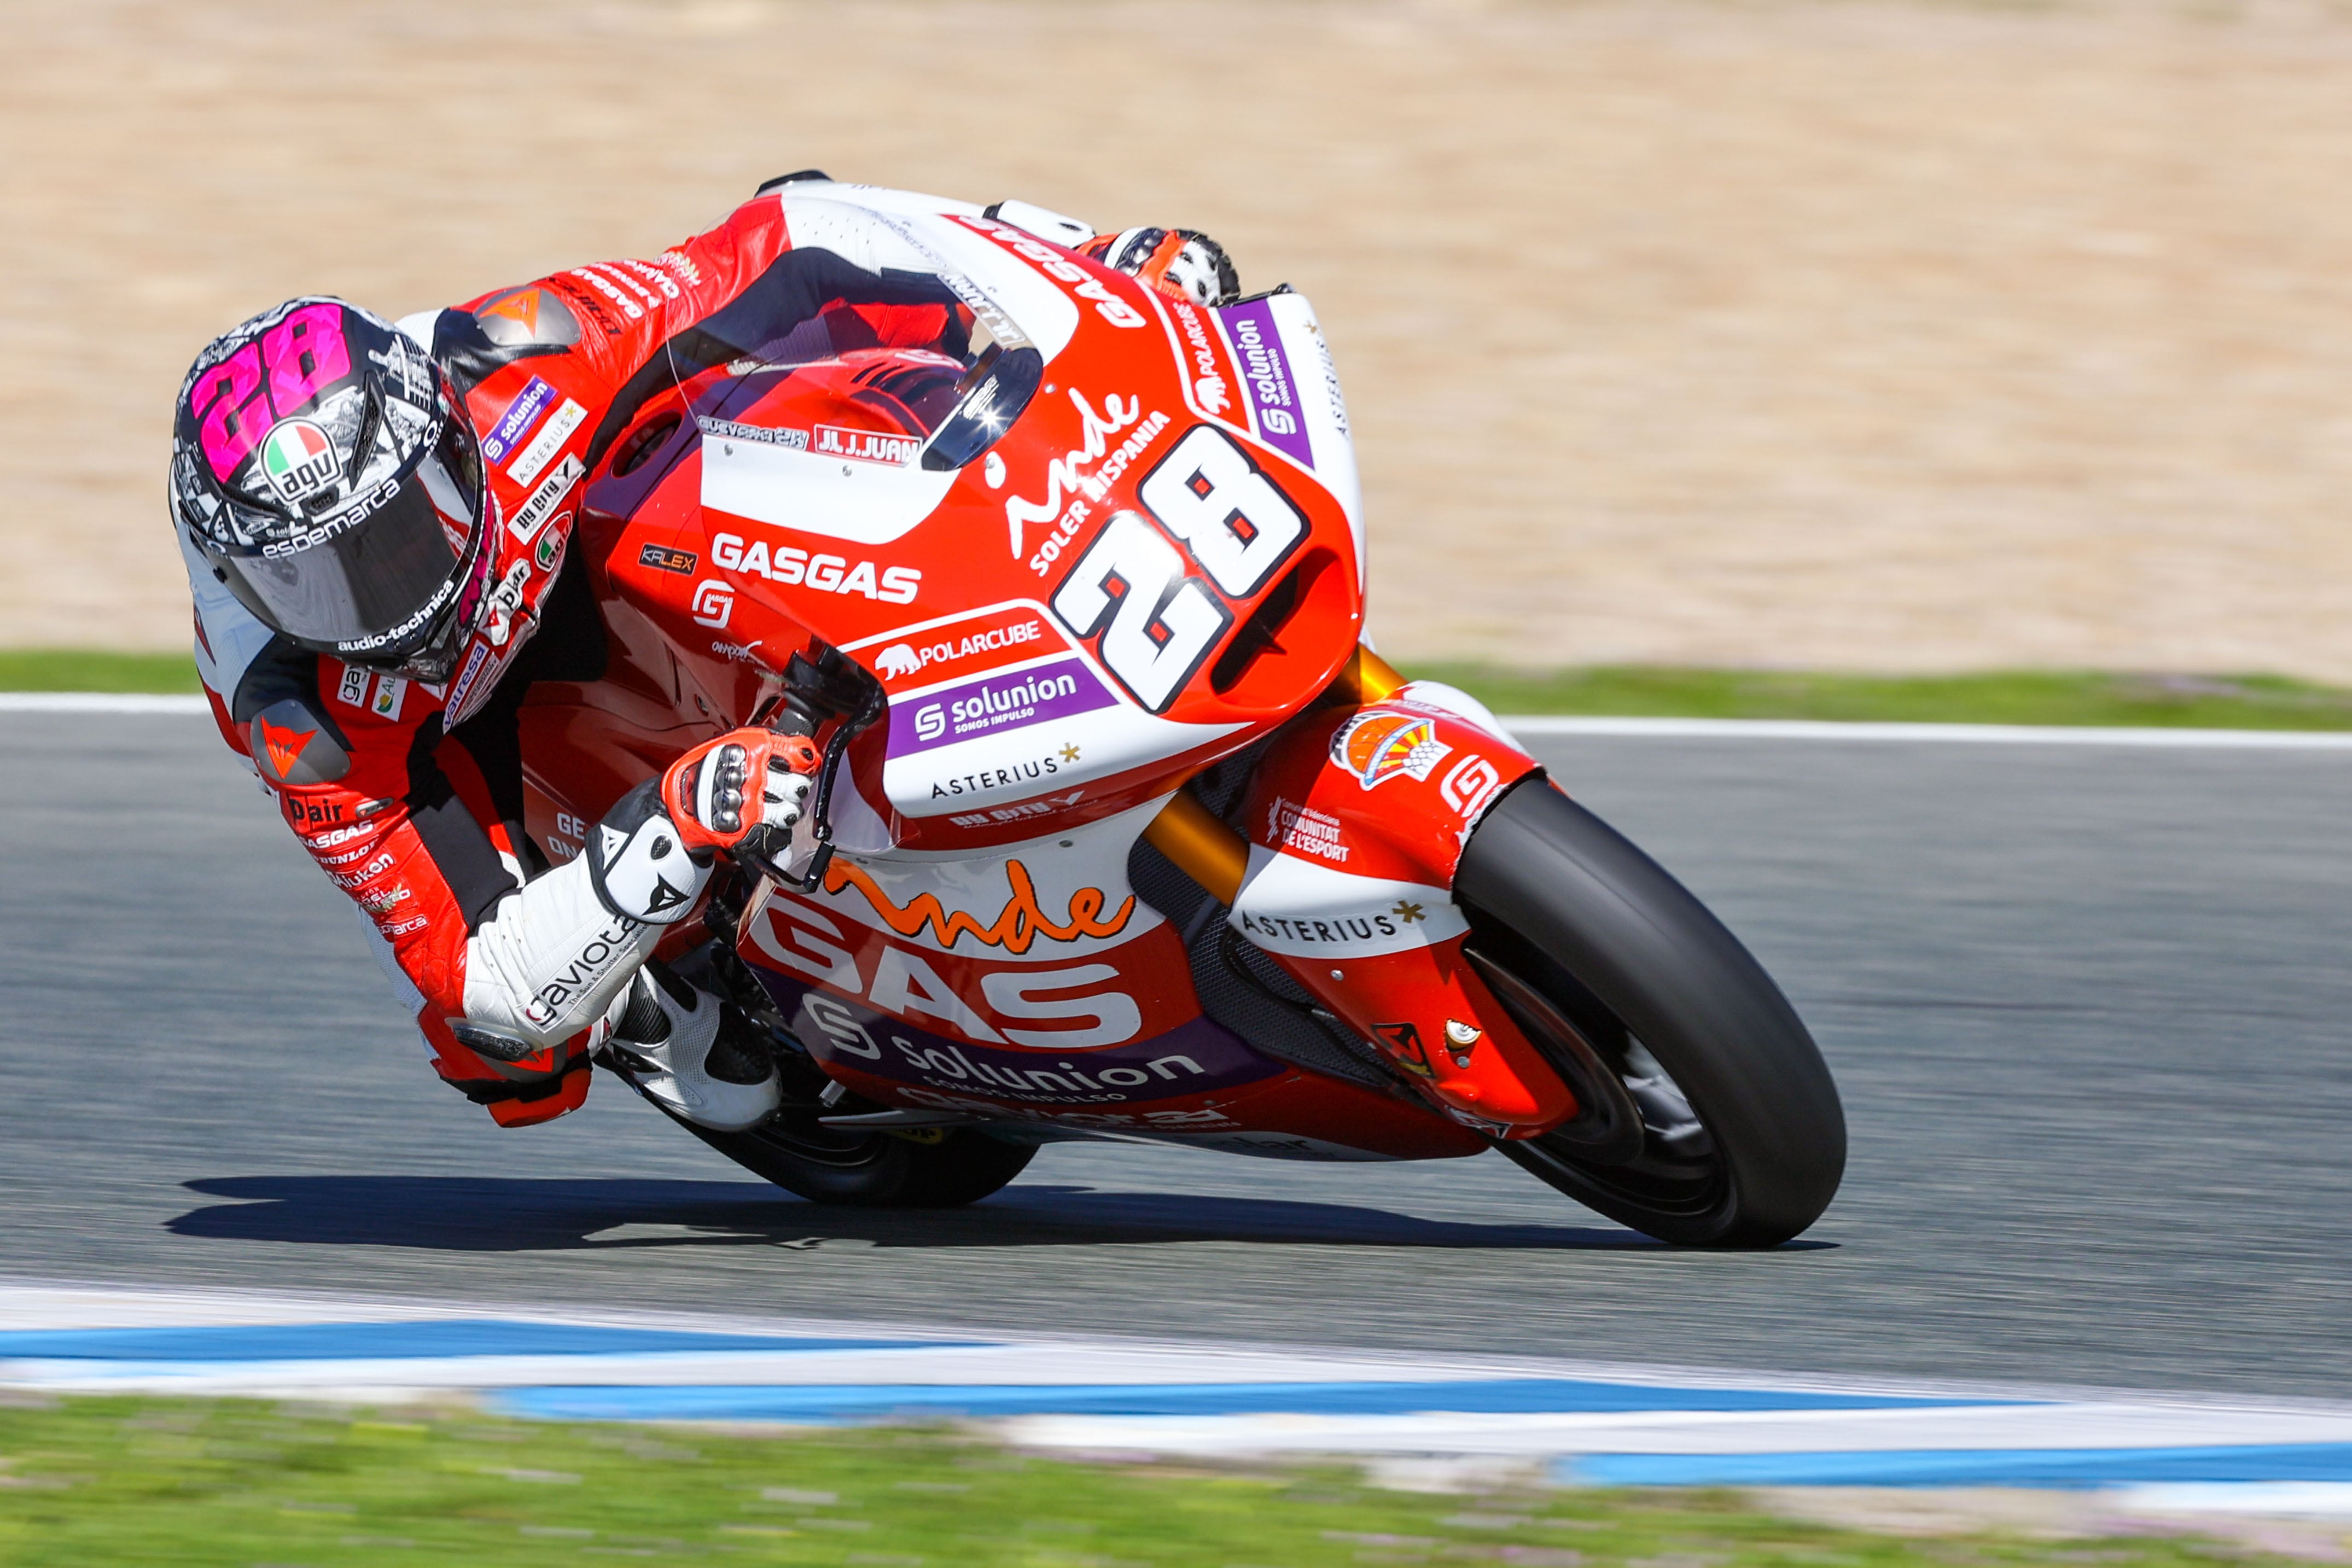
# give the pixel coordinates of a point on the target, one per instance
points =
(1161, 623)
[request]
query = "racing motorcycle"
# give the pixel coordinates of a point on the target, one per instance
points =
(1122, 832)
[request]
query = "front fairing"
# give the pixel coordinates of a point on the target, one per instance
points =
(1087, 539)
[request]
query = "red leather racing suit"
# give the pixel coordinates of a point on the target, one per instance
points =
(409, 797)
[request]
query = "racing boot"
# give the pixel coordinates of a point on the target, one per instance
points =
(691, 1054)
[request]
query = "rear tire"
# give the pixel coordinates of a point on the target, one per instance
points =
(1742, 1140)
(938, 1167)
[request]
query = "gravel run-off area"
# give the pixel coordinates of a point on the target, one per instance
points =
(1863, 336)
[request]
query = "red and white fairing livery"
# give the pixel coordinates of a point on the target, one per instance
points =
(1116, 542)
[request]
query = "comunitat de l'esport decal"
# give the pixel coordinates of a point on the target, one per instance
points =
(1234, 521)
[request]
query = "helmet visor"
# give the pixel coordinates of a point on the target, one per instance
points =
(380, 577)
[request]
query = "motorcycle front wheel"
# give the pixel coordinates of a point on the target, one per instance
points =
(1706, 1116)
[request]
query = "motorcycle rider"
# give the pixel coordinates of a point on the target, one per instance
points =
(375, 521)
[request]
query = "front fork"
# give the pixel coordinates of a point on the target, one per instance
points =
(1419, 999)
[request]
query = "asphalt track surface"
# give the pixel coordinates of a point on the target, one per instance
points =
(2090, 1009)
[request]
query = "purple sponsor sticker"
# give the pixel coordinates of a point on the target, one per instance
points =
(994, 704)
(520, 417)
(1266, 371)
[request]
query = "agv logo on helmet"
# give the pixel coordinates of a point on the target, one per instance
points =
(299, 460)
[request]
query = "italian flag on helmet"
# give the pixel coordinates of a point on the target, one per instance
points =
(298, 459)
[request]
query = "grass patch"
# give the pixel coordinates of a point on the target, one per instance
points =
(94, 670)
(201, 1483)
(2026, 697)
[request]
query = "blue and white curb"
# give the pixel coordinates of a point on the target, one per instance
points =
(1584, 1423)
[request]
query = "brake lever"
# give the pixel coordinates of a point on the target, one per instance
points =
(755, 849)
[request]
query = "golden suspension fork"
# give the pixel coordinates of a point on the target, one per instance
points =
(1211, 854)
(1432, 1012)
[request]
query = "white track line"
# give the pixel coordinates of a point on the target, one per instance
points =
(1560, 725)
(1988, 1430)
(2295, 1500)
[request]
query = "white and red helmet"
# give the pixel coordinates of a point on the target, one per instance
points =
(323, 465)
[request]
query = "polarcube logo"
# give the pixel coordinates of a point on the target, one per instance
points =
(989, 640)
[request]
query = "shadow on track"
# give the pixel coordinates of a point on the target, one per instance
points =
(483, 1214)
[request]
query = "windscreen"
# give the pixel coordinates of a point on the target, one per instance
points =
(874, 353)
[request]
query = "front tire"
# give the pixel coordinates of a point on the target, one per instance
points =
(941, 1168)
(1708, 1117)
